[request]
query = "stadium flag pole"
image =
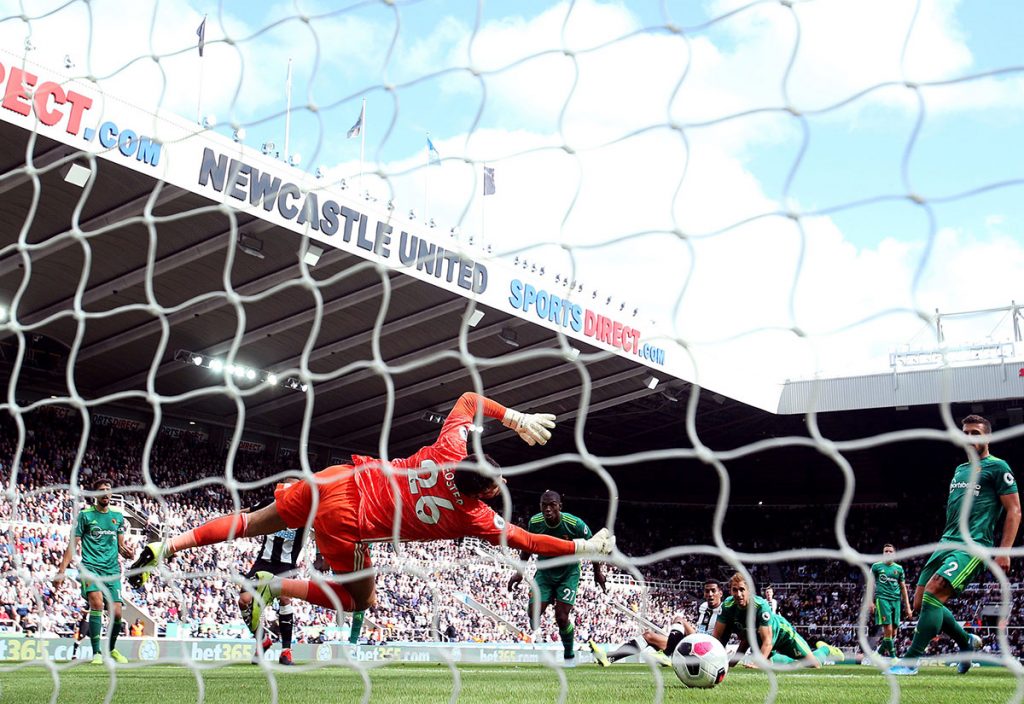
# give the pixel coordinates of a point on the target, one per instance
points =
(362, 141)
(426, 185)
(201, 33)
(288, 110)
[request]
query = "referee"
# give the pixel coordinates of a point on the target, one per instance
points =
(278, 554)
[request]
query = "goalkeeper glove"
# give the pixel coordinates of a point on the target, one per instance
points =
(601, 544)
(533, 428)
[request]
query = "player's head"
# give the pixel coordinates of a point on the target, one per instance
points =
(769, 592)
(104, 485)
(712, 593)
(551, 506)
(975, 425)
(473, 482)
(740, 590)
(889, 551)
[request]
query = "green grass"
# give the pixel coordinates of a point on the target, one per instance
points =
(483, 684)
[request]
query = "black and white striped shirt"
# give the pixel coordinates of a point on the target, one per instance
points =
(707, 617)
(283, 546)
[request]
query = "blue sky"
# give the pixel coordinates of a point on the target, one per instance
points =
(632, 170)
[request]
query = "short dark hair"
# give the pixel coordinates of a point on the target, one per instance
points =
(473, 482)
(100, 481)
(712, 581)
(551, 496)
(888, 545)
(978, 420)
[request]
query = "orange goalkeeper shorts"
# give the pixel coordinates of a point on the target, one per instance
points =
(337, 515)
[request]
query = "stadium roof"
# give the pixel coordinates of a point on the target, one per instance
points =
(994, 381)
(166, 215)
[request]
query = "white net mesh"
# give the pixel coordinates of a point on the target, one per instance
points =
(721, 196)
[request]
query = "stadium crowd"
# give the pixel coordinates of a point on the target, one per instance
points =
(416, 585)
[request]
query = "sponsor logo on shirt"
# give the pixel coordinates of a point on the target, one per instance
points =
(953, 486)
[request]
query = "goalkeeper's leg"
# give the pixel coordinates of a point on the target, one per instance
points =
(236, 525)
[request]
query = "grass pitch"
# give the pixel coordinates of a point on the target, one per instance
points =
(483, 684)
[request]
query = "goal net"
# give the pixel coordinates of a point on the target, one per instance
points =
(758, 258)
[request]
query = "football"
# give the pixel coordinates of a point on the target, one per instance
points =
(700, 661)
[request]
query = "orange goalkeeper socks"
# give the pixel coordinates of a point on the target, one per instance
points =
(216, 531)
(313, 593)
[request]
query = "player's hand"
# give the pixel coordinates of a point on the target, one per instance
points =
(1004, 562)
(514, 580)
(58, 579)
(602, 543)
(127, 552)
(533, 428)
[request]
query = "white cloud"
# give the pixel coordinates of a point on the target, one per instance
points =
(638, 213)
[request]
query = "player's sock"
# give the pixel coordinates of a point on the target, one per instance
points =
(675, 635)
(216, 531)
(74, 650)
(632, 647)
(115, 631)
(888, 648)
(566, 636)
(821, 654)
(357, 626)
(952, 628)
(287, 620)
(929, 624)
(313, 593)
(95, 630)
(780, 659)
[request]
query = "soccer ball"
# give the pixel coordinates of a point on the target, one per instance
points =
(700, 661)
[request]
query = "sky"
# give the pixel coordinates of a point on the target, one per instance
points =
(787, 191)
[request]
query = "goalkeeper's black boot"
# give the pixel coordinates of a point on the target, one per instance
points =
(141, 570)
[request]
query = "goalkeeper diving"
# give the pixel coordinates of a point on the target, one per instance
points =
(434, 494)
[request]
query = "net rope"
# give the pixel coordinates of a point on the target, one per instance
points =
(19, 251)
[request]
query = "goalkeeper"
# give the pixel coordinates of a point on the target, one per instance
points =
(558, 585)
(353, 505)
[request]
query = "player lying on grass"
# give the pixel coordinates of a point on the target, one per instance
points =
(777, 640)
(557, 585)
(353, 505)
(664, 645)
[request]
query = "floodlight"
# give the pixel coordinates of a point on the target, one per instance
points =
(651, 382)
(295, 159)
(320, 172)
(210, 121)
(475, 318)
(253, 246)
(77, 174)
(268, 147)
(197, 360)
(216, 365)
(272, 379)
(509, 336)
(313, 254)
(239, 134)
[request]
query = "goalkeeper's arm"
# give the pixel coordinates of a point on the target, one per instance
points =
(548, 546)
(533, 428)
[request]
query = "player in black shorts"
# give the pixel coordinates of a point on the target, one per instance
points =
(81, 631)
(279, 555)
